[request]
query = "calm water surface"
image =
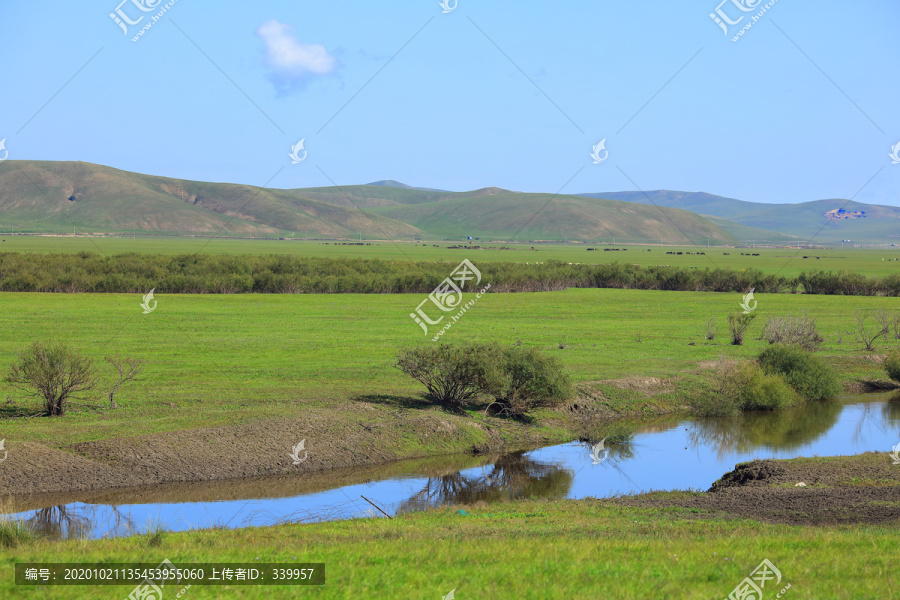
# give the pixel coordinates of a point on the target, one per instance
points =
(689, 454)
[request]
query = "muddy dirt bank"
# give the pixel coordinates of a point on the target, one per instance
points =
(840, 489)
(347, 435)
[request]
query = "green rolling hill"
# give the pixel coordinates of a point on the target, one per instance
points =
(865, 223)
(57, 196)
(500, 214)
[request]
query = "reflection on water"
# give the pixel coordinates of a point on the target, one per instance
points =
(891, 408)
(789, 429)
(512, 476)
(690, 454)
(61, 522)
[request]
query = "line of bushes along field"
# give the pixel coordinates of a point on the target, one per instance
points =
(196, 274)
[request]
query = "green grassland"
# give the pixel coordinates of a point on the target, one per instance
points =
(785, 261)
(236, 358)
(537, 549)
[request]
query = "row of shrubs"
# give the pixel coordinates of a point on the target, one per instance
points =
(517, 380)
(197, 274)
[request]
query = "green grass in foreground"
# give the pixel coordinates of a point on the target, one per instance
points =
(531, 549)
(234, 358)
(785, 261)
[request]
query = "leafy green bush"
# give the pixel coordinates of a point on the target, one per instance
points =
(451, 372)
(521, 379)
(763, 391)
(518, 379)
(892, 365)
(809, 375)
(742, 386)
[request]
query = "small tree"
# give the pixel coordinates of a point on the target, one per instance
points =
(451, 372)
(738, 324)
(125, 368)
(867, 334)
(55, 372)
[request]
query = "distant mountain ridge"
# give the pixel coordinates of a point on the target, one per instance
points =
(392, 183)
(50, 196)
(829, 220)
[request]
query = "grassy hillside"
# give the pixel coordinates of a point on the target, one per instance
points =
(501, 214)
(371, 195)
(62, 196)
(49, 196)
(57, 196)
(864, 223)
(746, 233)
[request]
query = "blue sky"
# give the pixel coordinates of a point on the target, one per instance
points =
(514, 94)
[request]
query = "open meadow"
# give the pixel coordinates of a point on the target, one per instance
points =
(227, 358)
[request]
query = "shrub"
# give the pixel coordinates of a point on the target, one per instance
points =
(738, 324)
(892, 365)
(451, 372)
(798, 331)
(809, 375)
(720, 399)
(518, 379)
(521, 379)
(743, 386)
(762, 391)
(55, 372)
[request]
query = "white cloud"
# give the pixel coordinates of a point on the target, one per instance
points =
(292, 62)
